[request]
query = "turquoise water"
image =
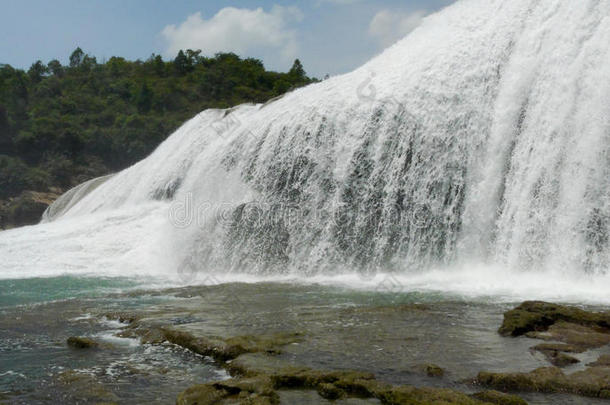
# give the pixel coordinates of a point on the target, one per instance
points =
(39, 290)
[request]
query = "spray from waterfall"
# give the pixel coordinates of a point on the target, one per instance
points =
(481, 140)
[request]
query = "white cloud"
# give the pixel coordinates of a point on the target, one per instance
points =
(389, 26)
(243, 31)
(339, 1)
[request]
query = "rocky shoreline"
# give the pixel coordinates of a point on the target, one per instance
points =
(311, 352)
(258, 375)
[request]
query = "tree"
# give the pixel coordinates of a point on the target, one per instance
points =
(192, 57)
(37, 71)
(144, 98)
(55, 68)
(76, 58)
(181, 63)
(88, 119)
(158, 65)
(297, 71)
(5, 132)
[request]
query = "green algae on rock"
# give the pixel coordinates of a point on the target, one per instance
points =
(556, 353)
(84, 388)
(602, 361)
(499, 398)
(592, 382)
(78, 342)
(577, 330)
(264, 389)
(228, 349)
(538, 316)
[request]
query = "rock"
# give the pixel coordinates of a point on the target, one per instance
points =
(555, 353)
(545, 379)
(538, 316)
(579, 336)
(329, 385)
(84, 388)
(592, 382)
(228, 349)
(432, 370)
(412, 395)
(203, 394)
(499, 398)
(330, 391)
(82, 342)
(26, 209)
(602, 361)
(558, 347)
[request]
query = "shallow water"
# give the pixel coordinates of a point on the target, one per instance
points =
(384, 332)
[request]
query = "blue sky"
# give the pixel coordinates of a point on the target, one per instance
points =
(329, 36)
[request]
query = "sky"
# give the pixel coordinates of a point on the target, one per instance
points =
(328, 36)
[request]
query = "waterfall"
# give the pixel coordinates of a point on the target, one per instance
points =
(482, 137)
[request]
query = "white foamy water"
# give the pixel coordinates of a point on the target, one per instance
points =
(471, 157)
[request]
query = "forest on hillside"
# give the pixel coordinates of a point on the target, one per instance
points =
(61, 125)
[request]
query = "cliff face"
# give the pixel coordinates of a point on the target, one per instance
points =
(26, 209)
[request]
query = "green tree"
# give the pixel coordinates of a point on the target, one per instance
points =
(37, 71)
(55, 68)
(181, 63)
(297, 72)
(5, 132)
(159, 65)
(144, 98)
(91, 119)
(76, 58)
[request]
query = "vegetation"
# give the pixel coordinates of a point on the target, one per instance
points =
(61, 125)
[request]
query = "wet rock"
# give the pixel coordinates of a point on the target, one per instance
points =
(412, 395)
(82, 343)
(228, 349)
(592, 382)
(26, 209)
(432, 370)
(602, 361)
(330, 385)
(558, 347)
(555, 353)
(330, 391)
(203, 394)
(499, 398)
(84, 388)
(123, 317)
(545, 379)
(580, 336)
(538, 316)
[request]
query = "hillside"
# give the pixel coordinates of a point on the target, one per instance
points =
(62, 125)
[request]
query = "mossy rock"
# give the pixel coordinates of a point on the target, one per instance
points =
(602, 361)
(424, 396)
(229, 349)
(203, 394)
(84, 388)
(545, 379)
(27, 209)
(332, 385)
(536, 316)
(499, 398)
(82, 343)
(592, 382)
(432, 370)
(555, 353)
(330, 391)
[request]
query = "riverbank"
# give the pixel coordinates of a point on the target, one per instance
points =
(294, 344)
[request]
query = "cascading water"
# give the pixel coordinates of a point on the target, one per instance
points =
(481, 140)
